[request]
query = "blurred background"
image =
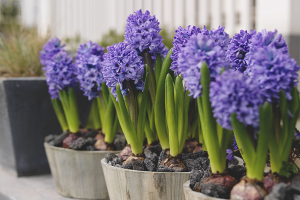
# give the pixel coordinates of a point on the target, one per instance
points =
(31, 22)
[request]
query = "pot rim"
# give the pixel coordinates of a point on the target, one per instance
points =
(46, 145)
(103, 162)
(187, 189)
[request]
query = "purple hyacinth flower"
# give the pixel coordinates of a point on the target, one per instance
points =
(230, 155)
(142, 33)
(263, 39)
(274, 70)
(219, 35)
(52, 47)
(200, 48)
(182, 35)
(89, 60)
(237, 49)
(122, 64)
(234, 92)
(297, 135)
(60, 73)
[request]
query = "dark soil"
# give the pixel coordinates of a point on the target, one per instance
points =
(90, 140)
(156, 159)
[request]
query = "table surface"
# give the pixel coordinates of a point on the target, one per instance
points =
(39, 187)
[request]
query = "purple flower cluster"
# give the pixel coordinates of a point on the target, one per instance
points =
(89, 60)
(263, 39)
(58, 66)
(122, 63)
(273, 70)
(200, 48)
(142, 33)
(182, 36)
(60, 73)
(237, 49)
(234, 92)
(51, 48)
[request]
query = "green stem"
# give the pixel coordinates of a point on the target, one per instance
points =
(58, 109)
(210, 134)
(171, 117)
(132, 104)
(157, 68)
(265, 124)
(95, 114)
(101, 110)
(243, 140)
(179, 108)
(159, 107)
(152, 82)
(136, 146)
(110, 123)
(142, 112)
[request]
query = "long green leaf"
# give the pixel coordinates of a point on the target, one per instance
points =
(159, 107)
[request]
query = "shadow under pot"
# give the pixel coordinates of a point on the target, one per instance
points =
(124, 184)
(77, 174)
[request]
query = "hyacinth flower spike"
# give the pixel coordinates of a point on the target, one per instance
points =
(238, 105)
(200, 62)
(123, 72)
(89, 60)
(276, 73)
(60, 72)
(52, 47)
(142, 34)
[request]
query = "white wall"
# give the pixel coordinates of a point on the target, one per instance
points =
(93, 18)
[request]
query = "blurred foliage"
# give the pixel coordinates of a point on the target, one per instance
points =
(168, 36)
(110, 38)
(9, 13)
(19, 52)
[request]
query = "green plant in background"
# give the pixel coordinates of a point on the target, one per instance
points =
(110, 38)
(19, 52)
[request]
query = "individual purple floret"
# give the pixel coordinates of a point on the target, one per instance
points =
(237, 49)
(233, 92)
(89, 60)
(182, 35)
(262, 39)
(142, 33)
(52, 47)
(122, 63)
(200, 48)
(60, 73)
(230, 154)
(274, 70)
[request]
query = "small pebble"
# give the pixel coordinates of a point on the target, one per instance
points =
(127, 166)
(162, 168)
(150, 165)
(110, 156)
(214, 190)
(138, 165)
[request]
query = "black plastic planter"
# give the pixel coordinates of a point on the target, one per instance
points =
(26, 117)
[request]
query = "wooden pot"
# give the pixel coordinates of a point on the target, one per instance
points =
(192, 195)
(77, 174)
(124, 184)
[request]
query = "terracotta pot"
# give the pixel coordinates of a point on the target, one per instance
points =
(77, 174)
(192, 195)
(124, 184)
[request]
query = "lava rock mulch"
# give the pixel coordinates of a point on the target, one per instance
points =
(83, 140)
(154, 155)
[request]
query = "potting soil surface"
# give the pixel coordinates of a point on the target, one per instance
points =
(39, 187)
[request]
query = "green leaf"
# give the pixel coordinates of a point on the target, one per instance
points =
(159, 107)
(171, 116)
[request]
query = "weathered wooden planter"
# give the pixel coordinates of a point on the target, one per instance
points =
(26, 117)
(123, 184)
(192, 195)
(77, 174)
